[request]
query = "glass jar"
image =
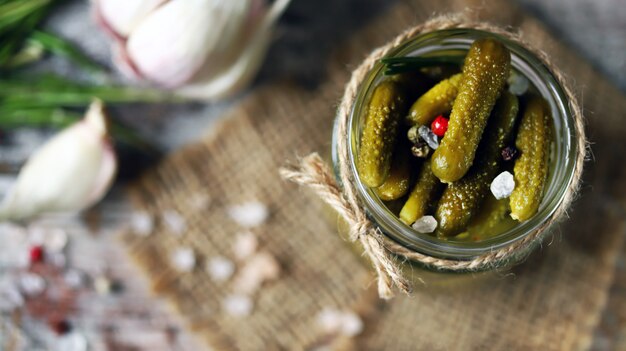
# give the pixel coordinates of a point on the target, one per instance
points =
(563, 156)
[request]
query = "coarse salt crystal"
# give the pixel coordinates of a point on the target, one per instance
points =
(10, 296)
(238, 305)
(347, 323)
(249, 214)
(73, 341)
(351, 324)
(503, 185)
(32, 284)
(329, 320)
(426, 224)
(245, 245)
(174, 221)
(518, 84)
(183, 259)
(142, 223)
(429, 137)
(74, 278)
(56, 240)
(220, 268)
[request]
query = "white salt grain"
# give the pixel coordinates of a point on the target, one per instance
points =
(32, 284)
(333, 321)
(249, 214)
(518, 84)
(10, 296)
(183, 259)
(220, 268)
(73, 341)
(142, 223)
(329, 320)
(56, 240)
(503, 185)
(429, 137)
(245, 245)
(351, 324)
(56, 259)
(237, 305)
(74, 278)
(426, 224)
(174, 221)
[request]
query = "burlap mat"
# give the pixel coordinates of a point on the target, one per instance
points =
(551, 302)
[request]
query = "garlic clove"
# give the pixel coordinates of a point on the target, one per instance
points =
(170, 45)
(70, 172)
(120, 17)
(242, 70)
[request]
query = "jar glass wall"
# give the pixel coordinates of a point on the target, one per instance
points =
(562, 158)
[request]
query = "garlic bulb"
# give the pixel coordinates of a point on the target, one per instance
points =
(203, 49)
(70, 172)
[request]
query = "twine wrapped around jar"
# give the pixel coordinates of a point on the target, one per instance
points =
(313, 172)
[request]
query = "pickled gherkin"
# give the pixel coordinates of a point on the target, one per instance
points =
(422, 196)
(485, 71)
(386, 108)
(462, 199)
(531, 168)
(436, 101)
(397, 184)
(493, 214)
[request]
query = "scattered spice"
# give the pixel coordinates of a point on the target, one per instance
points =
(509, 153)
(60, 326)
(36, 254)
(439, 126)
(420, 150)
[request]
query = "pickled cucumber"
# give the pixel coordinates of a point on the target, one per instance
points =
(485, 72)
(436, 101)
(531, 168)
(462, 199)
(492, 214)
(397, 184)
(423, 194)
(386, 108)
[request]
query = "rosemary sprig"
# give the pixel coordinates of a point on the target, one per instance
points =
(57, 118)
(396, 65)
(53, 91)
(60, 47)
(13, 12)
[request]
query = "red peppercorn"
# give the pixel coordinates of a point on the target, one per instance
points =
(36, 254)
(60, 326)
(439, 126)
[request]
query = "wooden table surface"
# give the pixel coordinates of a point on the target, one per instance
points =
(131, 319)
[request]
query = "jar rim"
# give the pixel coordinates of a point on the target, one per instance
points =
(563, 160)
